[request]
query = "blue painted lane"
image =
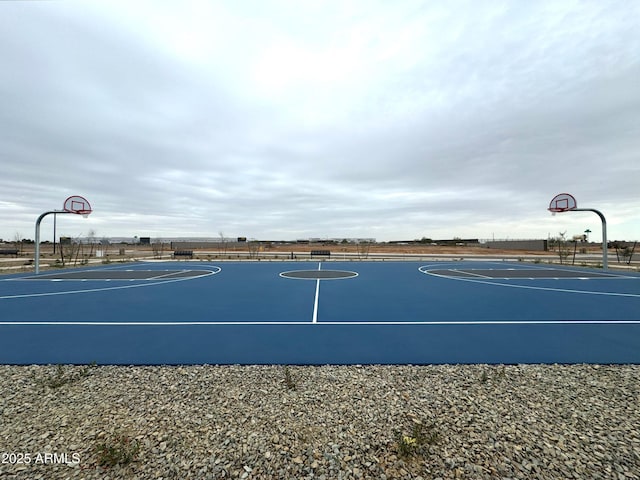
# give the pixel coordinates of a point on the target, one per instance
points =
(320, 344)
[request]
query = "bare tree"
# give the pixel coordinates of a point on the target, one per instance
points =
(563, 248)
(223, 243)
(69, 250)
(91, 237)
(254, 248)
(158, 248)
(104, 244)
(17, 241)
(363, 248)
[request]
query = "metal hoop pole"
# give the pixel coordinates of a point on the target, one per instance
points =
(604, 233)
(37, 248)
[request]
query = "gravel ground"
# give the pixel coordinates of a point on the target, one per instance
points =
(327, 422)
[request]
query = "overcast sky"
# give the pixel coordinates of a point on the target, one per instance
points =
(296, 119)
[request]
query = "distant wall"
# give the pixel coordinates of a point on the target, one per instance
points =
(205, 245)
(458, 241)
(534, 245)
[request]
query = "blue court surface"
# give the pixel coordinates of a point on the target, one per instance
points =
(320, 313)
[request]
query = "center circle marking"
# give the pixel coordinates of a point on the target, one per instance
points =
(318, 274)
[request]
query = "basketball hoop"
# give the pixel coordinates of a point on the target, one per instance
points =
(562, 202)
(78, 205)
(565, 202)
(74, 204)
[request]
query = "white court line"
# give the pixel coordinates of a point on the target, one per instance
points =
(466, 272)
(170, 273)
(425, 270)
(174, 272)
(91, 290)
(350, 323)
(315, 302)
(600, 275)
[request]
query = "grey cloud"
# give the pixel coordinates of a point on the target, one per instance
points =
(473, 123)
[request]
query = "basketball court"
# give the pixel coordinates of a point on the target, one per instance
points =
(329, 312)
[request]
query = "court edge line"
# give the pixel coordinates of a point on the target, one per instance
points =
(389, 323)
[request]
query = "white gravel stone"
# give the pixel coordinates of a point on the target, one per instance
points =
(328, 422)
